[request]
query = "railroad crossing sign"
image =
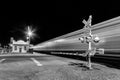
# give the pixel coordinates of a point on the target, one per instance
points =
(89, 39)
(88, 22)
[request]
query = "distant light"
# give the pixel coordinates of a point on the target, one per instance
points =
(30, 32)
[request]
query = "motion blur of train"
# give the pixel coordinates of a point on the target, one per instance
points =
(108, 33)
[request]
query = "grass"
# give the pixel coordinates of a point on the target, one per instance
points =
(58, 72)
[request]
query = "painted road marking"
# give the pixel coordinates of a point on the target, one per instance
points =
(36, 62)
(2, 60)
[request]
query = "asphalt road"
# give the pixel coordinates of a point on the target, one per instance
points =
(29, 66)
(34, 59)
(49, 67)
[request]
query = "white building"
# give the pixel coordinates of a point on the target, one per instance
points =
(19, 46)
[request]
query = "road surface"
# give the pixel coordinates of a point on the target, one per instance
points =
(49, 67)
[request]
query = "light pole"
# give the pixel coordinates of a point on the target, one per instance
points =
(29, 34)
(89, 39)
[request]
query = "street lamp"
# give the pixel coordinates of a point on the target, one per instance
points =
(29, 33)
(89, 39)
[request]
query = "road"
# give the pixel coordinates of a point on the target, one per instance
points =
(49, 67)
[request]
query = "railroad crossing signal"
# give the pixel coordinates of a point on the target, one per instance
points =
(89, 39)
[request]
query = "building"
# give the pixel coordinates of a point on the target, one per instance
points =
(19, 46)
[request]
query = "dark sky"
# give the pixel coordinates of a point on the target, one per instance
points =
(51, 19)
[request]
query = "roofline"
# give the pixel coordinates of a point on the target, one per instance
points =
(20, 44)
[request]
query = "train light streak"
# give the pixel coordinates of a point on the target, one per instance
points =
(60, 40)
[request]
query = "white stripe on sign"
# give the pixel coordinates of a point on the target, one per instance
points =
(2, 60)
(37, 62)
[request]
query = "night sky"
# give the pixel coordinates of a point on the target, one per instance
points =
(51, 19)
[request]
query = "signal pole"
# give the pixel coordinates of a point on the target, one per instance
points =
(90, 39)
